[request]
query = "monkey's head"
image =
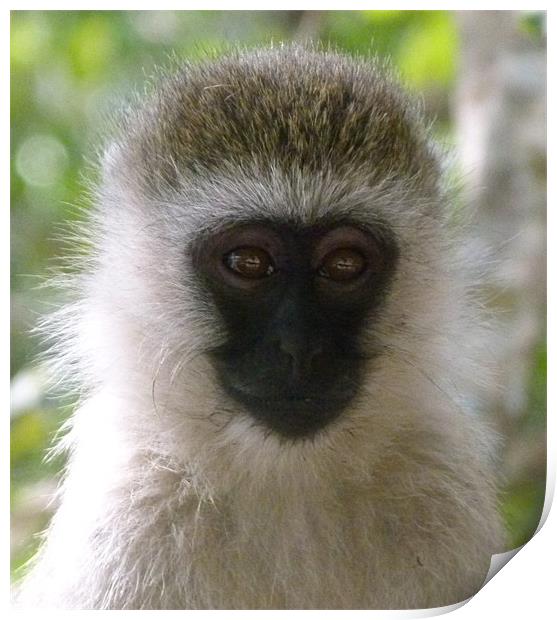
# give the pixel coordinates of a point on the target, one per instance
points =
(272, 243)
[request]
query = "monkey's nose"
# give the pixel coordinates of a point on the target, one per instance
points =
(302, 356)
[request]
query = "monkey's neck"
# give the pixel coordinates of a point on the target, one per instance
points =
(227, 533)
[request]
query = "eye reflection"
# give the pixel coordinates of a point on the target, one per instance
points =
(342, 265)
(250, 262)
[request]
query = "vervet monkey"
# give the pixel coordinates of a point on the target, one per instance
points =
(274, 336)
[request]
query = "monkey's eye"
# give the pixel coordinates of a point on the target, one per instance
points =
(342, 265)
(250, 262)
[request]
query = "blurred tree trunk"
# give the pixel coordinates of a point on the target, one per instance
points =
(500, 110)
(306, 26)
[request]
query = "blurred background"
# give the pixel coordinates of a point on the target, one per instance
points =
(482, 77)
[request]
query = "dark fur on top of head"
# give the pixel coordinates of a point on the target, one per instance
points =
(286, 107)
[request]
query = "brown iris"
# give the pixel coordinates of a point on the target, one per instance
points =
(250, 262)
(342, 265)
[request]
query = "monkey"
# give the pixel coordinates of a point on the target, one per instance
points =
(278, 348)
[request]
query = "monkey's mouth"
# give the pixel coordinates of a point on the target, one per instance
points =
(291, 414)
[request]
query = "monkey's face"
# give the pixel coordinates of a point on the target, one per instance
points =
(257, 210)
(294, 302)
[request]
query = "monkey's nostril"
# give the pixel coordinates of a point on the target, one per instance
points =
(316, 352)
(292, 356)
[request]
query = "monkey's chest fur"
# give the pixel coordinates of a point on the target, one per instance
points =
(348, 547)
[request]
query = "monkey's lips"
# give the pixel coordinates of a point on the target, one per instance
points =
(293, 414)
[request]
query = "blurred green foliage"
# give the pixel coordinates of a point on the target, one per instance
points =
(523, 499)
(68, 70)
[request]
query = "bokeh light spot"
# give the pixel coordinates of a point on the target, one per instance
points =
(41, 160)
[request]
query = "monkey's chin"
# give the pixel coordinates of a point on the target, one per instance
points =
(292, 417)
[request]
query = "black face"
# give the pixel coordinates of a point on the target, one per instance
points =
(294, 303)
